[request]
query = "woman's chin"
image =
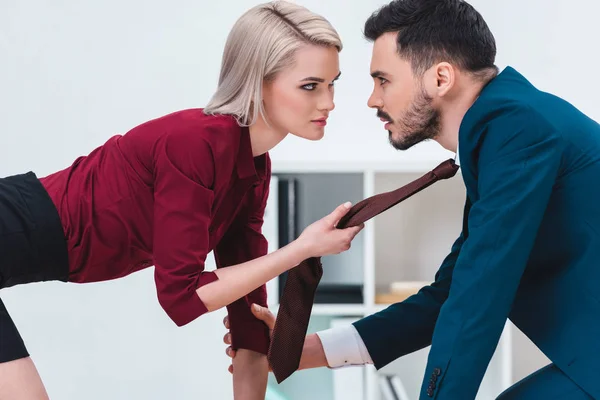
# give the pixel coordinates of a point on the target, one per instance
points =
(311, 134)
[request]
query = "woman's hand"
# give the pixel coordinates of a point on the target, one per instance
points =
(322, 238)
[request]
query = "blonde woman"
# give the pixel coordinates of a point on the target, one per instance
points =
(175, 188)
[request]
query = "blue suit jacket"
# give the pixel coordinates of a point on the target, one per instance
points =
(529, 249)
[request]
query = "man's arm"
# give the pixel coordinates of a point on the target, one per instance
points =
(405, 327)
(383, 337)
(346, 346)
(313, 355)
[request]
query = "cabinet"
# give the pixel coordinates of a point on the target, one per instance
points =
(403, 246)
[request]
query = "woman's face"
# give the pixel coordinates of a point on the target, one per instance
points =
(299, 99)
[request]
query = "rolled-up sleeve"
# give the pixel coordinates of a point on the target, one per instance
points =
(244, 242)
(183, 199)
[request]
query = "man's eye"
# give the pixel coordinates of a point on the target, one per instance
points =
(382, 80)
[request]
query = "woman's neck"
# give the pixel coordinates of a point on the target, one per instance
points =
(264, 137)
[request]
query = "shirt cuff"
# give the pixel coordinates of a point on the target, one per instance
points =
(185, 308)
(247, 331)
(343, 347)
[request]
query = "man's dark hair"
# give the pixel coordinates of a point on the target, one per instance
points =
(431, 31)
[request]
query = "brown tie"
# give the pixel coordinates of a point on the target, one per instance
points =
(298, 295)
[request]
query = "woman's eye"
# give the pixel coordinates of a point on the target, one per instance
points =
(310, 86)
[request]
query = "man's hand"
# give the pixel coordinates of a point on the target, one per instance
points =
(262, 313)
(313, 355)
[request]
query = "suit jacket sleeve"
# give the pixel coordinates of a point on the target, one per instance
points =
(244, 241)
(408, 326)
(519, 160)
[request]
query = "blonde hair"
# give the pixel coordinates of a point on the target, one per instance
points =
(262, 42)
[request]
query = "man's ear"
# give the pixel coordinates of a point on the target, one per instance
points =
(445, 76)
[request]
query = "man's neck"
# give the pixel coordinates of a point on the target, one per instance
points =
(453, 112)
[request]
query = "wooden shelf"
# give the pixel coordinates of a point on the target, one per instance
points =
(399, 291)
(391, 298)
(333, 310)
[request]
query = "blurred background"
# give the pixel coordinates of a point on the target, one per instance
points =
(75, 73)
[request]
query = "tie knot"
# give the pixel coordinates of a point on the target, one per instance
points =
(445, 170)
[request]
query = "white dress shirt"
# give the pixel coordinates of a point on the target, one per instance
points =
(343, 346)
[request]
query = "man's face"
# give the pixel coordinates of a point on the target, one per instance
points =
(399, 97)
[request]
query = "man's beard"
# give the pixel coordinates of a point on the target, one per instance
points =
(421, 122)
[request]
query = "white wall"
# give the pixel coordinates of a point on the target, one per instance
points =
(75, 73)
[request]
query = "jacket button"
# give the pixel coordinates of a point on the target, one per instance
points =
(430, 392)
(437, 371)
(433, 379)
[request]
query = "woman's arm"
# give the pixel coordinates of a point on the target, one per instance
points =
(235, 281)
(251, 375)
(183, 203)
(319, 239)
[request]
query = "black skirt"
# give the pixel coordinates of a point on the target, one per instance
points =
(32, 248)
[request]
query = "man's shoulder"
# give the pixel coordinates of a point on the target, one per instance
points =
(509, 98)
(504, 124)
(500, 114)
